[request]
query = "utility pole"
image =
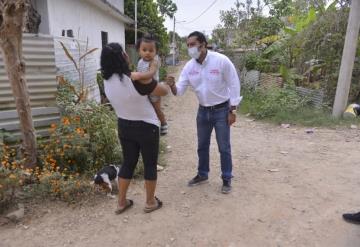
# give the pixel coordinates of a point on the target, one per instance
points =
(347, 60)
(173, 43)
(135, 21)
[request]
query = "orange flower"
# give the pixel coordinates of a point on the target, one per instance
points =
(53, 126)
(66, 121)
(80, 131)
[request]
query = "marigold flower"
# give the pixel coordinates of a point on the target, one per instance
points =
(66, 121)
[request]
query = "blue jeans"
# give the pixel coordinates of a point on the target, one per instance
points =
(206, 120)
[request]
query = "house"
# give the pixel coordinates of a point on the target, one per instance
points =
(99, 21)
(73, 22)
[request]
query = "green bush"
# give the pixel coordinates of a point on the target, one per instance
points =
(162, 73)
(99, 124)
(266, 103)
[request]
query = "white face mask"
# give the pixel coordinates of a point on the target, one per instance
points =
(194, 52)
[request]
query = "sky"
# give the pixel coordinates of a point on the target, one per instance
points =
(188, 10)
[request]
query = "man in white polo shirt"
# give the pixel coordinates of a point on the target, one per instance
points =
(217, 86)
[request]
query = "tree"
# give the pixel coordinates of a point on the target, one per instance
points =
(11, 27)
(167, 8)
(150, 20)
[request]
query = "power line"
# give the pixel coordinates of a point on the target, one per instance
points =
(212, 4)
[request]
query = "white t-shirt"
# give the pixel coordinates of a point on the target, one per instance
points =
(214, 81)
(144, 66)
(127, 102)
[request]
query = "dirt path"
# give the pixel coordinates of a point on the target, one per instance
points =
(314, 179)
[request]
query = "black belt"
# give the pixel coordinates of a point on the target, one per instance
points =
(213, 107)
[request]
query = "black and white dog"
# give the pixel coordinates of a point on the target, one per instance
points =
(105, 176)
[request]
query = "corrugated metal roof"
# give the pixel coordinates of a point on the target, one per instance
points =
(39, 56)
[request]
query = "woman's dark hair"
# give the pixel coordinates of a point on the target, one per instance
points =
(199, 36)
(113, 61)
(147, 38)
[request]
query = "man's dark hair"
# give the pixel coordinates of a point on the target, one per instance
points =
(113, 61)
(147, 38)
(199, 36)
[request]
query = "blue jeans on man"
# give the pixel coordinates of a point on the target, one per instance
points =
(207, 120)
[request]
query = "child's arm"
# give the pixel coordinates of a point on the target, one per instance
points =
(145, 77)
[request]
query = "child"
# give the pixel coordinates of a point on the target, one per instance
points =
(147, 48)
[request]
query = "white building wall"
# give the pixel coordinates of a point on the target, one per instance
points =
(86, 21)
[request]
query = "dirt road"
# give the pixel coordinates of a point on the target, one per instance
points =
(290, 189)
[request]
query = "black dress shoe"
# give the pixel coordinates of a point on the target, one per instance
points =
(197, 180)
(226, 188)
(352, 218)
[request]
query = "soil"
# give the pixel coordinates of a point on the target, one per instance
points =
(290, 188)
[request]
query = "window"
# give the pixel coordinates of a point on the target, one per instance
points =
(104, 38)
(69, 33)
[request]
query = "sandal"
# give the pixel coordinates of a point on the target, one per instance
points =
(157, 206)
(129, 204)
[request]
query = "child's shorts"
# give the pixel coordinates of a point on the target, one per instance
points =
(154, 98)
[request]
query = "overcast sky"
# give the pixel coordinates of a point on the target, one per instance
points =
(191, 9)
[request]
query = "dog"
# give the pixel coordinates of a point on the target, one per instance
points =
(105, 176)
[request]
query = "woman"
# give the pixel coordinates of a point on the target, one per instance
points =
(138, 124)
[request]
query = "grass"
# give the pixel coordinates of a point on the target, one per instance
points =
(302, 116)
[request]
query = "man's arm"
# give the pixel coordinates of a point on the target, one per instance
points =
(232, 79)
(180, 87)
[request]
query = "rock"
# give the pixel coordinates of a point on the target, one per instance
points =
(309, 131)
(4, 221)
(353, 126)
(172, 239)
(284, 152)
(273, 170)
(18, 214)
(159, 168)
(285, 126)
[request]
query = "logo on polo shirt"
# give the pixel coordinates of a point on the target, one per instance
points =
(214, 71)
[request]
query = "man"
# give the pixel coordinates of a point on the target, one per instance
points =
(217, 86)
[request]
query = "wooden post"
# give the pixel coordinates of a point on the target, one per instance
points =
(11, 28)
(347, 61)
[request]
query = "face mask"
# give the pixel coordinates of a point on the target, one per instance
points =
(194, 52)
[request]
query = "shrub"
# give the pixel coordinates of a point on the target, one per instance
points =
(266, 103)
(162, 73)
(97, 126)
